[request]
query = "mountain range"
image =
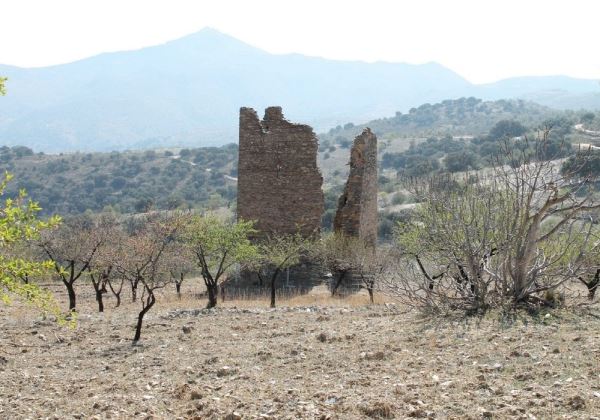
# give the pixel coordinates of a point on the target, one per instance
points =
(187, 92)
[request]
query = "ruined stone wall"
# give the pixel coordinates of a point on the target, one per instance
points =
(357, 207)
(279, 183)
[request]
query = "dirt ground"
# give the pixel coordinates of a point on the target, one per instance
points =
(313, 358)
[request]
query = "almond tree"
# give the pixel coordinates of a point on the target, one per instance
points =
(100, 271)
(180, 263)
(73, 248)
(116, 290)
(278, 253)
(100, 278)
(345, 256)
(499, 240)
(218, 246)
(140, 255)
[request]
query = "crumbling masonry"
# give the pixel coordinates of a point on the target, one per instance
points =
(279, 183)
(356, 214)
(279, 187)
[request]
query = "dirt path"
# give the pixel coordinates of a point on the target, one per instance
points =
(579, 127)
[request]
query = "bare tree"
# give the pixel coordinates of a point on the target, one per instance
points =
(99, 280)
(503, 239)
(141, 257)
(349, 257)
(73, 247)
(542, 232)
(116, 291)
(180, 263)
(100, 271)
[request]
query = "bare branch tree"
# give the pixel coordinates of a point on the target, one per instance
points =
(73, 247)
(140, 256)
(346, 257)
(504, 239)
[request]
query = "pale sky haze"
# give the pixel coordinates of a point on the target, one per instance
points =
(482, 40)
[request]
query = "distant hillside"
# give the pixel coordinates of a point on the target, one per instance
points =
(460, 117)
(125, 182)
(188, 92)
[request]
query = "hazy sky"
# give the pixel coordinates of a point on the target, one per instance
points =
(483, 40)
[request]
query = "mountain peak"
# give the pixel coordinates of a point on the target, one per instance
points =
(211, 37)
(208, 32)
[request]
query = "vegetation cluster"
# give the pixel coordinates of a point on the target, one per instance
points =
(125, 182)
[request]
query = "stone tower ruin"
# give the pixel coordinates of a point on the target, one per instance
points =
(356, 214)
(279, 183)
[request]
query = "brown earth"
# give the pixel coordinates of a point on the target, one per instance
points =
(314, 358)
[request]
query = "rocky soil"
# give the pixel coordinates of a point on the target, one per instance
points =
(336, 361)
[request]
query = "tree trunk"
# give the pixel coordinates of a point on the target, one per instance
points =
(524, 257)
(213, 292)
(71, 292)
(370, 290)
(133, 291)
(592, 285)
(338, 282)
(138, 328)
(99, 288)
(273, 280)
(116, 293)
(99, 299)
(592, 292)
